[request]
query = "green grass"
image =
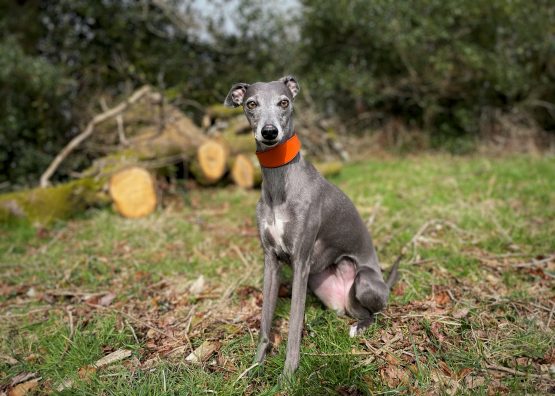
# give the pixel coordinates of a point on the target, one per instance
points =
(462, 311)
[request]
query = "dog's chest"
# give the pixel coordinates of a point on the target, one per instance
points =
(273, 226)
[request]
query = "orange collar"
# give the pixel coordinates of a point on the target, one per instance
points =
(280, 155)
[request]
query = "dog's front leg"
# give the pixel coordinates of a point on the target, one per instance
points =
(296, 317)
(301, 270)
(270, 295)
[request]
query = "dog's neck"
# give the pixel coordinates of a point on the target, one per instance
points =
(275, 181)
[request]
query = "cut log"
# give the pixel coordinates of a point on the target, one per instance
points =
(245, 172)
(210, 163)
(133, 191)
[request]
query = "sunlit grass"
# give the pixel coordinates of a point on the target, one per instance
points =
(478, 217)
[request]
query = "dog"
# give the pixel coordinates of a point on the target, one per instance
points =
(306, 222)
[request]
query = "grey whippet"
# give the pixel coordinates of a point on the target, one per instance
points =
(310, 224)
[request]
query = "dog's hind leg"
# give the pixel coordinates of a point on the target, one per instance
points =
(367, 296)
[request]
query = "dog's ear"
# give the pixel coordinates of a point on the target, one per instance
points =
(236, 95)
(292, 84)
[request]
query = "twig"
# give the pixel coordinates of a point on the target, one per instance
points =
(374, 213)
(515, 372)
(550, 315)
(121, 130)
(77, 140)
(133, 332)
(71, 327)
(246, 371)
(535, 262)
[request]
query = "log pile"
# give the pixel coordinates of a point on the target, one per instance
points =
(142, 141)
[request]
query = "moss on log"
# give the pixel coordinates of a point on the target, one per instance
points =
(222, 112)
(41, 206)
(329, 169)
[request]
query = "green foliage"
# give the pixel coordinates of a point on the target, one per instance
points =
(34, 113)
(438, 64)
(445, 67)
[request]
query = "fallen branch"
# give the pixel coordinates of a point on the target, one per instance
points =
(77, 140)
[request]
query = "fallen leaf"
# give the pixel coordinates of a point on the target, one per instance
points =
(107, 299)
(8, 360)
(150, 363)
(391, 359)
(31, 293)
(198, 286)
(66, 384)
(461, 313)
(113, 357)
(86, 372)
(463, 373)
(348, 391)
(24, 387)
(276, 340)
(496, 387)
(22, 377)
(177, 352)
(284, 290)
(393, 376)
(436, 331)
(445, 368)
(203, 352)
(33, 357)
(442, 298)
(450, 386)
(399, 289)
(549, 356)
(473, 381)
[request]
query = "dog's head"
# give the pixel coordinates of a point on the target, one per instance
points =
(268, 107)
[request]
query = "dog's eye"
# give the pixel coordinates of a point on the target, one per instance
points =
(284, 103)
(251, 105)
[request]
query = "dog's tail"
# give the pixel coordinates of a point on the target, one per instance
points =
(394, 276)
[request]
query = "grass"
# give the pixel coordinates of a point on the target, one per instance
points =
(472, 314)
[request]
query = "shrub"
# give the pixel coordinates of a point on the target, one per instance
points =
(35, 114)
(438, 64)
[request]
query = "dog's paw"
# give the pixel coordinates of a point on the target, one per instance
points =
(353, 331)
(360, 326)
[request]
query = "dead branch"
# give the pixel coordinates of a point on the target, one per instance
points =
(77, 140)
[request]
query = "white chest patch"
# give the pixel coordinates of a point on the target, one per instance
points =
(276, 227)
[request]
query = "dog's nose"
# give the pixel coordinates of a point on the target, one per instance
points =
(269, 132)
